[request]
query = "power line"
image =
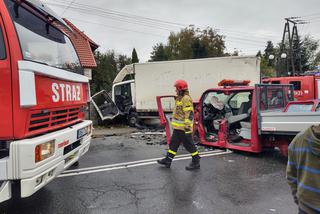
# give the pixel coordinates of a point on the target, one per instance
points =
(314, 18)
(67, 7)
(117, 28)
(153, 26)
(119, 16)
(132, 21)
(313, 14)
(234, 39)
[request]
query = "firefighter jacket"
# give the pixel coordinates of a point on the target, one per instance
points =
(183, 113)
(303, 169)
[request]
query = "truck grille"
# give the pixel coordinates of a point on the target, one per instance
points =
(46, 120)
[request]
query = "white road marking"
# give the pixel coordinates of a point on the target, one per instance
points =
(110, 167)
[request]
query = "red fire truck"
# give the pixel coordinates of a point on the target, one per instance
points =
(43, 98)
(246, 118)
(305, 87)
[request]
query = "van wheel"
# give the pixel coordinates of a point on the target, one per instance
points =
(133, 119)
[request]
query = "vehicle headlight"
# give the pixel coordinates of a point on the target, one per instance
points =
(44, 151)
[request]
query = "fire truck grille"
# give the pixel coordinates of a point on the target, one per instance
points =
(46, 120)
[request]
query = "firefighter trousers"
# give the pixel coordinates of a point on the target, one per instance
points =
(178, 137)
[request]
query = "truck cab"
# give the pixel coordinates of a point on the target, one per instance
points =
(120, 102)
(43, 98)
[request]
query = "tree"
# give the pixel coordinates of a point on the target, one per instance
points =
(269, 50)
(159, 53)
(123, 60)
(134, 56)
(316, 61)
(267, 67)
(190, 43)
(259, 54)
(308, 52)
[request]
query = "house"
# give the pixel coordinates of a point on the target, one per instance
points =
(85, 48)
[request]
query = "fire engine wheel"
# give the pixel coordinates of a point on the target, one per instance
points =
(133, 119)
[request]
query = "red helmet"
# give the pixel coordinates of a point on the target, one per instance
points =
(181, 85)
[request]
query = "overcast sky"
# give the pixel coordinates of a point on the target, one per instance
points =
(122, 25)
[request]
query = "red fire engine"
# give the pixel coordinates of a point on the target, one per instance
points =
(305, 87)
(43, 95)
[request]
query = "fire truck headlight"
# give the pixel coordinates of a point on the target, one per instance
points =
(44, 151)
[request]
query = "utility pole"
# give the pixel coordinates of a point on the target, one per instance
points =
(293, 49)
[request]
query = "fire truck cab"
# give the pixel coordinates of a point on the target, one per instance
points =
(43, 98)
(305, 87)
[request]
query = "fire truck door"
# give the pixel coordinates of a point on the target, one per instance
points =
(165, 109)
(6, 120)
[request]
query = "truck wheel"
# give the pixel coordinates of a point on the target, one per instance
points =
(133, 119)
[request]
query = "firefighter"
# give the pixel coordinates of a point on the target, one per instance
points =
(182, 123)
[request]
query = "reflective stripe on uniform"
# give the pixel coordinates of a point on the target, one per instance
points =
(179, 103)
(172, 152)
(188, 109)
(177, 123)
(195, 153)
(181, 124)
(187, 121)
(188, 132)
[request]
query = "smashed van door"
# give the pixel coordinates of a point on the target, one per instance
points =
(104, 105)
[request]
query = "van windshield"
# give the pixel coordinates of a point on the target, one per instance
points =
(42, 42)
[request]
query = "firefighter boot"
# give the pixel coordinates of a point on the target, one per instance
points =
(195, 163)
(167, 160)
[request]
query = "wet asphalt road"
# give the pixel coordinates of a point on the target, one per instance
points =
(228, 183)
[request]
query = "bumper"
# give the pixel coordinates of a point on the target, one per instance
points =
(33, 176)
